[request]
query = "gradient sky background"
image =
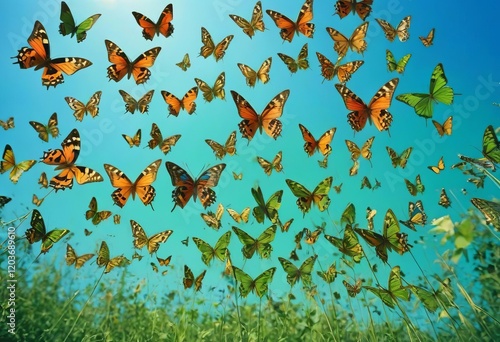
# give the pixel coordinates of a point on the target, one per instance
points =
(464, 43)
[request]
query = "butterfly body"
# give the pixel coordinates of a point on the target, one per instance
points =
(288, 28)
(162, 26)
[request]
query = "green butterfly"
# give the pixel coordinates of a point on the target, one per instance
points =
(259, 285)
(330, 274)
(427, 298)
(416, 188)
(267, 209)
(349, 215)
(38, 232)
(348, 245)
(417, 215)
(294, 274)
(261, 245)
(392, 64)
(305, 197)
(394, 291)
(490, 210)
(491, 145)
(208, 253)
(391, 239)
(439, 92)
(399, 160)
(68, 24)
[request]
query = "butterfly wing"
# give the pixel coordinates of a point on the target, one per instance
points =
(303, 24)
(323, 144)
(438, 88)
(185, 63)
(37, 230)
(91, 106)
(154, 241)
(379, 104)
(491, 145)
(264, 240)
(261, 283)
(251, 120)
(345, 71)
(246, 282)
(291, 63)
(250, 244)
(445, 128)
(359, 116)
(402, 29)
(287, 27)
(130, 103)
(183, 182)
(389, 31)
(304, 196)
(174, 104)
(274, 110)
(208, 180)
(135, 140)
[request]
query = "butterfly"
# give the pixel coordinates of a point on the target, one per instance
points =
(401, 159)
(87, 232)
(135, 140)
(286, 226)
(37, 201)
(44, 130)
(243, 217)
(261, 245)
(438, 168)
(491, 146)
(221, 150)
(43, 181)
(68, 24)
(343, 72)
(357, 41)
(416, 214)
(311, 237)
(353, 290)
(209, 47)
(94, 214)
(38, 56)
(213, 219)
(7, 124)
(302, 25)
(348, 245)
(209, 93)
(392, 64)
(163, 25)
(142, 185)
(103, 259)
(116, 219)
(185, 242)
(323, 163)
(258, 285)
(338, 188)
(322, 144)
(445, 128)
(132, 104)
(255, 23)
(370, 214)
(365, 183)
(37, 232)
(293, 255)
(187, 187)
(189, 279)
(294, 274)
(330, 274)
(153, 242)
(444, 200)
(238, 176)
(423, 104)
(208, 253)
(376, 111)
(401, 31)
(305, 198)
(431, 300)
(251, 75)
(157, 139)
(353, 171)
(490, 210)
(294, 65)
(267, 209)
(185, 63)
(391, 238)
(364, 151)
(427, 41)
(275, 164)
(395, 289)
(72, 258)
(268, 120)
(164, 262)
(362, 8)
(9, 162)
(4, 200)
(82, 109)
(122, 66)
(416, 188)
(175, 105)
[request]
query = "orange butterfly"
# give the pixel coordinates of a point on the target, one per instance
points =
(38, 56)
(302, 25)
(209, 47)
(162, 26)
(65, 160)
(267, 120)
(175, 105)
(122, 66)
(343, 72)
(322, 144)
(376, 111)
(362, 8)
(142, 185)
(356, 42)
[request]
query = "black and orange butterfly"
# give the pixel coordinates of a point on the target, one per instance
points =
(362, 8)
(133, 141)
(38, 56)
(322, 144)
(268, 120)
(189, 279)
(209, 47)
(65, 160)
(162, 26)
(157, 139)
(132, 104)
(122, 66)
(376, 111)
(445, 128)
(45, 130)
(256, 23)
(427, 41)
(187, 187)
(209, 93)
(142, 185)
(175, 105)
(343, 72)
(357, 41)
(81, 109)
(302, 25)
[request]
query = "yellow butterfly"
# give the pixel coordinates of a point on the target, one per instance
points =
(45, 130)
(37, 201)
(370, 214)
(185, 63)
(353, 171)
(133, 141)
(270, 166)
(364, 151)
(43, 181)
(238, 176)
(427, 41)
(401, 31)
(82, 109)
(164, 262)
(213, 219)
(221, 150)
(9, 162)
(152, 243)
(243, 217)
(311, 237)
(286, 227)
(216, 91)
(437, 169)
(157, 139)
(445, 128)
(72, 258)
(7, 124)
(251, 75)
(256, 22)
(294, 65)
(209, 47)
(343, 72)
(116, 219)
(132, 104)
(357, 41)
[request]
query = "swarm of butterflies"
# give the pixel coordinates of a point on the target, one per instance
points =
(203, 188)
